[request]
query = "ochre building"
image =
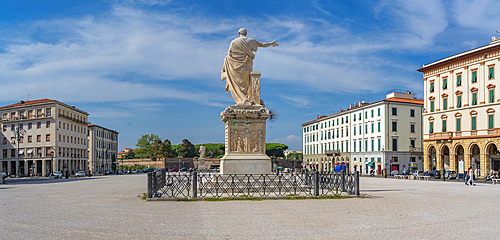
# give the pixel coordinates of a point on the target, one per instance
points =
(461, 127)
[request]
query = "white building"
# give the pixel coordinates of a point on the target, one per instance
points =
(103, 145)
(368, 136)
(54, 139)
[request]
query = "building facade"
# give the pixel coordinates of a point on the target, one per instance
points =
(368, 136)
(103, 145)
(461, 129)
(52, 137)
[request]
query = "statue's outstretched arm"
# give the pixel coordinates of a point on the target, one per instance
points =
(273, 43)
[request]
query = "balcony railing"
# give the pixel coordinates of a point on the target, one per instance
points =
(72, 119)
(471, 133)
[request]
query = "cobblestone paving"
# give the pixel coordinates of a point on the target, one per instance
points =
(108, 208)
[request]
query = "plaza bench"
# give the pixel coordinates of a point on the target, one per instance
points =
(495, 181)
(425, 178)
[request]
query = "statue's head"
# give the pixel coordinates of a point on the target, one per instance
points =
(242, 32)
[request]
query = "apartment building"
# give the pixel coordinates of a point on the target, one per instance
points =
(103, 148)
(42, 136)
(461, 129)
(386, 134)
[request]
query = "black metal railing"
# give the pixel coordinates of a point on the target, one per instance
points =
(163, 184)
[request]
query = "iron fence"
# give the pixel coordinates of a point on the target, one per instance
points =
(163, 184)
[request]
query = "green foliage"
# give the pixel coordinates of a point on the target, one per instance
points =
(167, 150)
(129, 155)
(275, 150)
(213, 150)
(297, 156)
(144, 144)
(155, 152)
(186, 149)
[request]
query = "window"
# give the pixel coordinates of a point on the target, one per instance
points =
(394, 111)
(38, 138)
(39, 113)
(474, 76)
(473, 123)
(394, 126)
(47, 138)
(30, 114)
(354, 131)
(491, 72)
(354, 146)
(359, 129)
(378, 112)
(412, 143)
(412, 128)
(21, 139)
(459, 125)
(459, 101)
(4, 116)
(431, 127)
(491, 92)
(373, 145)
(372, 112)
(445, 83)
(366, 129)
(444, 125)
(30, 139)
(394, 144)
(459, 79)
(12, 140)
(39, 125)
(474, 98)
(432, 105)
(378, 144)
(412, 112)
(378, 126)
(47, 124)
(12, 127)
(359, 116)
(366, 115)
(337, 121)
(346, 119)
(366, 145)
(432, 87)
(490, 121)
(445, 103)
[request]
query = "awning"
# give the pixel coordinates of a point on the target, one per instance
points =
(29, 151)
(21, 152)
(371, 164)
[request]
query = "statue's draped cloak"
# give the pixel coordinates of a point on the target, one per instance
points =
(236, 70)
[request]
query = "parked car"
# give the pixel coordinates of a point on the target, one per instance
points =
(420, 173)
(147, 170)
(433, 173)
(80, 174)
(450, 174)
(134, 170)
(174, 170)
(184, 169)
(394, 172)
(57, 174)
(460, 176)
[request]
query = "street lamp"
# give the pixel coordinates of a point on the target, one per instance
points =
(51, 162)
(18, 133)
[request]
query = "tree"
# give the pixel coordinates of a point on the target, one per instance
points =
(297, 156)
(186, 149)
(155, 152)
(275, 150)
(113, 162)
(167, 150)
(144, 144)
(130, 154)
(213, 150)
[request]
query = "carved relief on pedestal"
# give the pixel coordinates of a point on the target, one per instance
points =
(246, 141)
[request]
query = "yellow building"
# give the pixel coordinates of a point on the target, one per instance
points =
(461, 129)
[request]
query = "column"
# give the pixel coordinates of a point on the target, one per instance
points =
(467, 161)
(484, 164)
(427, 162)
(453, 165)
(439, 162)
(44, 167)
(26, 168)
(55, 165)
(9, 167)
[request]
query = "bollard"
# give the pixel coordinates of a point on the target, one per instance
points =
(316, 183)
(384, 172)
(342, 180)
(442, 174)
(195, 184)
(356, 183)
(150, 187)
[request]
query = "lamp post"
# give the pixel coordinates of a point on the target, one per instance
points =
(51, 161)
(18, 133)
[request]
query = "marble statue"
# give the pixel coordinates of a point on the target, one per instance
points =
(237, 67)
(202, 151)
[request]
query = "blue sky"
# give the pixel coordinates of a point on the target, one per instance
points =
(153, 66)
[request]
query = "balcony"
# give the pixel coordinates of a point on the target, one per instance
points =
(483, 133)
(72, 119)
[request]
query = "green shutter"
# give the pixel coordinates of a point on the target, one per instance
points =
(474, 123)
(474, 76)
(445, 83)
(444, 126)
(432, 86)
(492, 73)
(459, 101)
(490, 121)
(378, 110)
(474, 99)
(492, 95)
(432, 106)
(378, 126)
(459, 80)
(431, 127)
(458, 125)
(445, 103)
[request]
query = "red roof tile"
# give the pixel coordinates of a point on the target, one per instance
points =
(29, 102)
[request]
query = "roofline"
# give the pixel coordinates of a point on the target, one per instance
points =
(95, 125)
(460, 56)
(49, 101)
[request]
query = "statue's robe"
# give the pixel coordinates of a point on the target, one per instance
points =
(236, 70)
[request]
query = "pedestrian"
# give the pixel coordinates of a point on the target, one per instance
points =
(471, 177)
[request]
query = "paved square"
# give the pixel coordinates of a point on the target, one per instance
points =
(108, 208)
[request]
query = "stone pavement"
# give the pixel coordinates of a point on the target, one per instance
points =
(108, 208)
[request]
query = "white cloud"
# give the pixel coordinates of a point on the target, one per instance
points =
(293, 142)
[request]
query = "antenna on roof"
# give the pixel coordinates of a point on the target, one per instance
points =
(28, 97)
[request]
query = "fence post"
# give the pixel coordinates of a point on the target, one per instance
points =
(316, 183)
(306, 177)
(155, 182)
(150, 186)
(195, 184)
(356, 183)
(342, 180)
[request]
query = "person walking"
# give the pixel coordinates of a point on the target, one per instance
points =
(471, 177)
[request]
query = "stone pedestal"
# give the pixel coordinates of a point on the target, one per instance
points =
(245, 139)
(201, 164)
